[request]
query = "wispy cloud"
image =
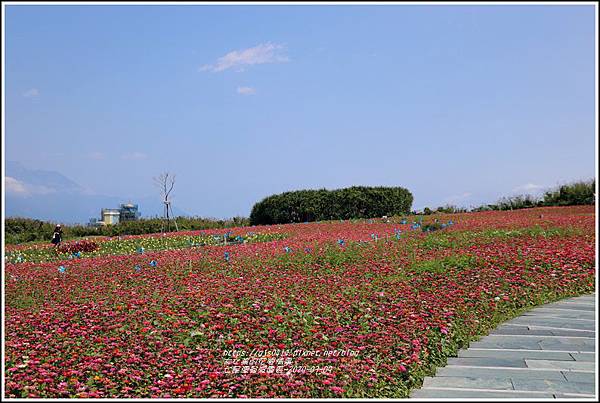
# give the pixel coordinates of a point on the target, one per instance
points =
(96, 155)
(246, 90)
(260, 54)
(134, 156)
(32, 93)
(529, 187)
(13, 185)
(18, 188)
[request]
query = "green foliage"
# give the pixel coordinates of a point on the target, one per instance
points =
(320, 205)
(432, 227)
(131, 246)
(485, 207)
(21, 230)
(442, 265)
(518, 202)
(577, 193)
(450, 209)
(571, 194)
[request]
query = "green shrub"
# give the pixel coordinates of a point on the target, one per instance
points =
(571, 194)
(319, 205)
(450, 209)
(518, 202)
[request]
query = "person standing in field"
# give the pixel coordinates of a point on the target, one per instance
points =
(57, 236)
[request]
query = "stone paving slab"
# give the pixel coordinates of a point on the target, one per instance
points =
(576, 395)
(581, 345)
(573, 306)
(548, 352)
(477, 372)
(533, 331)
(582, 357)
(523, 354)
(563, 314)
(550, 385)
(540, 337)
(469, 383)
(587, 377)
(529, 343)
(446, 393)
(579, 316)
(583, 299)
(561, 365)
(578, 324)
(489, 362)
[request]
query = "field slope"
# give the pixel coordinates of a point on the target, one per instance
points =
(362, 308)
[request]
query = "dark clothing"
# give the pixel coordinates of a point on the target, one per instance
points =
(57, 236)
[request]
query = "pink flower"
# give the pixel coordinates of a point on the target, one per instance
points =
(337, 390)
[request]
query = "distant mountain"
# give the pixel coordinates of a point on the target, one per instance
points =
(35, 178)
(51, 196)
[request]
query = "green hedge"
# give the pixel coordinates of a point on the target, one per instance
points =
(319, 205)
(20, 230)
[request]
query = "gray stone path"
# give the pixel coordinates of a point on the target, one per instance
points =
(548, 352)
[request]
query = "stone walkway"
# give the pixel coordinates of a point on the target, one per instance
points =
(548, 352)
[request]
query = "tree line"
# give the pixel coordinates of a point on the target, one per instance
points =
(571, 194)
(20, 230)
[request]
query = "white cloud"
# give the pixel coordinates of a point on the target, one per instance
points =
(96, 155)
(246, 90)
(260, 54)
(134, 156)
(18, 188)
(13, 185)
(32, 93)
(457, 198)
(529, 187)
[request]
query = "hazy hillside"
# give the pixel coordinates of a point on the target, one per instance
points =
(50, 195)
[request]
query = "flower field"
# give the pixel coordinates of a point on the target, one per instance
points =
(362, 308)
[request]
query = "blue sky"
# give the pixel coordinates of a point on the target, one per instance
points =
(460, 104)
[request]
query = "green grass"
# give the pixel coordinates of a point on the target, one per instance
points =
(39, 254)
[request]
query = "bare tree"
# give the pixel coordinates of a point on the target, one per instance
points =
(165, 182)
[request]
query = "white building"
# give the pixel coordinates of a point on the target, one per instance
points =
(110, 216)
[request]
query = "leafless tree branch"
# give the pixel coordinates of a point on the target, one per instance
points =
(165, 182)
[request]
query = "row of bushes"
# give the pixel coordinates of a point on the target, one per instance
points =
(573, 194)
(20, 230)
(447, 209)
(319, 205)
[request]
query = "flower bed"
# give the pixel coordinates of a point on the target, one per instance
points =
(366, 317)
